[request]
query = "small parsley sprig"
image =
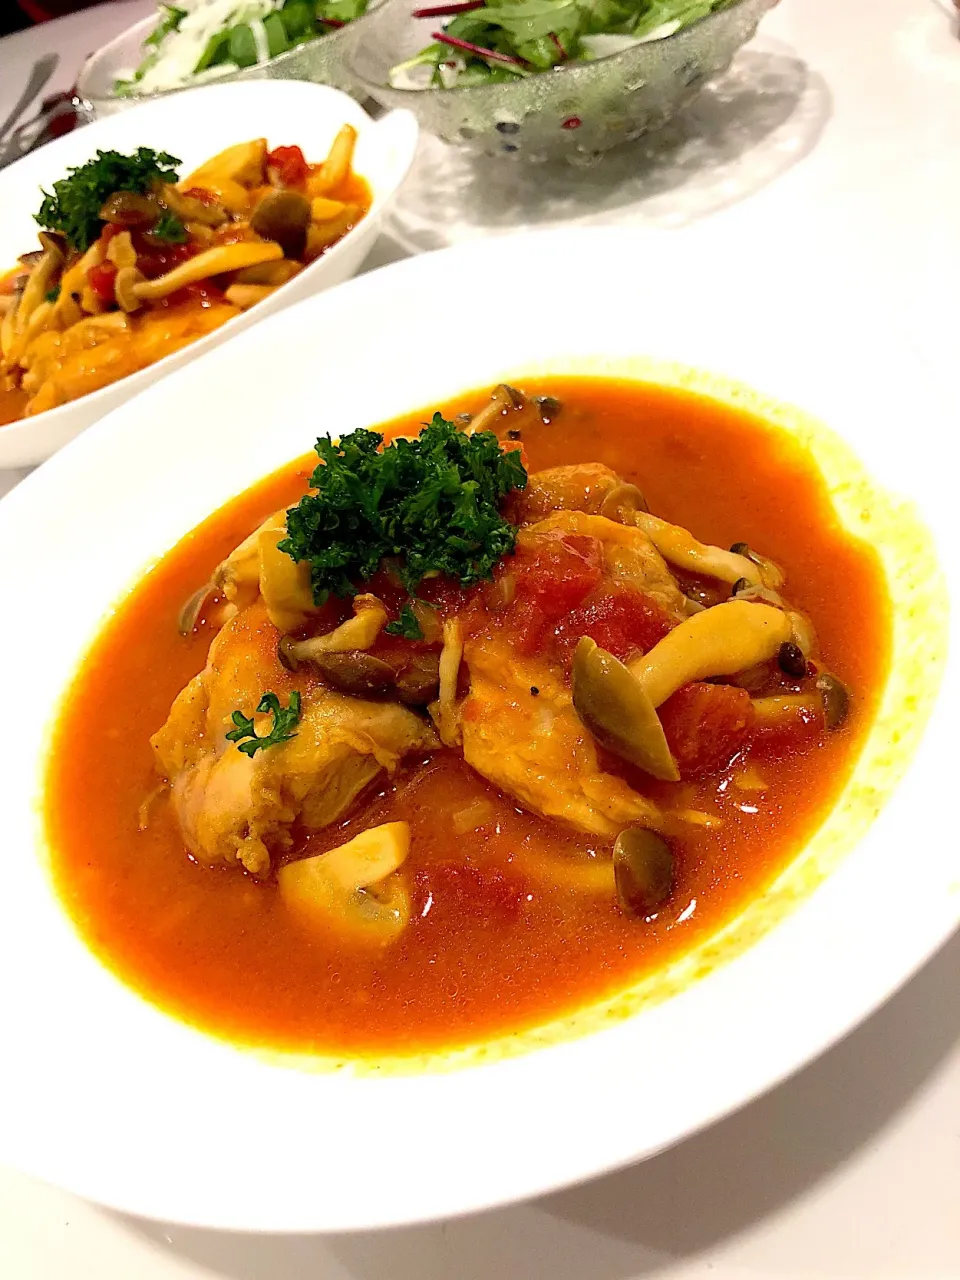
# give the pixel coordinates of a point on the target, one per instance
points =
(170, 228)
(73, 207)
(285, 721)
(431, 503)
(406, 625)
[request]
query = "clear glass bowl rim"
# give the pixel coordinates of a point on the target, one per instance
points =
(583, 70)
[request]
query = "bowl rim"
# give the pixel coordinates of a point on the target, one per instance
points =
(593, 67)
(339, 35)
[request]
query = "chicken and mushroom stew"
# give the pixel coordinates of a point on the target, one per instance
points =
(471, 724)
(135, 263)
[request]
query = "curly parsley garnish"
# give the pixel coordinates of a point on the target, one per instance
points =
(285, 721)
(73, 207)
(431, 503)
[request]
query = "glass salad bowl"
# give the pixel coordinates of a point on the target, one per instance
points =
(575, 111)
(321, 61)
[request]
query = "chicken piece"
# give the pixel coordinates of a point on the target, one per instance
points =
(233, 808)
(581, 487)
(68, 374)
(629, 557)
(520, 731)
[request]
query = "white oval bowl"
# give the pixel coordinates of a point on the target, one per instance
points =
(110, 1097)
(194, 125)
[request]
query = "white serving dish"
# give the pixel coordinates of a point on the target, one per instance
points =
(194, 125)
(113, 1099)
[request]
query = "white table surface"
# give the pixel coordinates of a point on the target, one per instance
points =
(840, 128)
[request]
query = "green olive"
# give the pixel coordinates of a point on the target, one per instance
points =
(283, 216)
(643, 867)
(836, 699)
(614, 707)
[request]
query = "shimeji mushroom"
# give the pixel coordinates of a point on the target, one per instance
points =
(246, 296)
(41, 279)
(678, 546)
(503, 398)
(444, 712)
(643, 868)
(354, 890)
(217, 261)
(359, 632)
(618, 703)
(283, 216)
(622, 503)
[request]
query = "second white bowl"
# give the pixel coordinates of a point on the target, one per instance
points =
(193, 126)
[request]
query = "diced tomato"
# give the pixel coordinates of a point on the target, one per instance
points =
(202, 291)
(706, 725)
(110, 230)
(795, 728)
(288, 164)
(457, 890)
(553, 574)
(101, 279)
(446, 595)
(154, 262)
(624, 623)
(202, 194)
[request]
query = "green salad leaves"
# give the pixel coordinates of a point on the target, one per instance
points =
(431, 505)
(73, 207)
(482, 41)
(242, 35)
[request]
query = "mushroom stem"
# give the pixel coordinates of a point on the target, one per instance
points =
(501, 401)
(678, 546)
(211, 262)
(444, 711)
(720, 641)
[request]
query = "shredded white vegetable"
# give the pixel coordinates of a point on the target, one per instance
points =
(180, 50)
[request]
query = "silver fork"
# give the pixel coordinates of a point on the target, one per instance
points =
(36, 131)
(40, 73)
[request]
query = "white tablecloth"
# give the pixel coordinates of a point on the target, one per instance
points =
(840, 126)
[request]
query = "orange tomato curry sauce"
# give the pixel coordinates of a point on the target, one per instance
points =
(492, 946)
